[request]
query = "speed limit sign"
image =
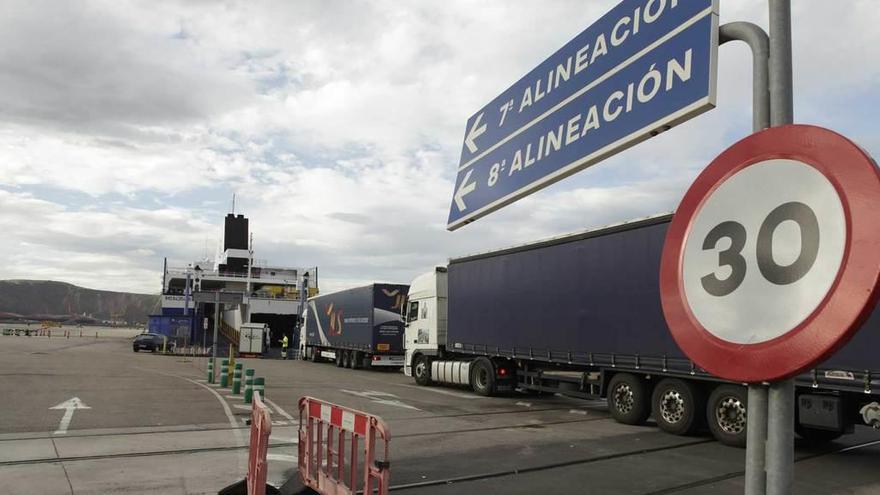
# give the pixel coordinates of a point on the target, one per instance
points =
(771, 262)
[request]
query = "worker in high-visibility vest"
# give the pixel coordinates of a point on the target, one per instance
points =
(284, 347)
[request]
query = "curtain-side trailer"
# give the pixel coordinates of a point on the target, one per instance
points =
(359, 327)
(581, 315)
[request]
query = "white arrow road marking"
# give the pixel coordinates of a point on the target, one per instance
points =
(69, 406)
(463, 190)
(476, 131)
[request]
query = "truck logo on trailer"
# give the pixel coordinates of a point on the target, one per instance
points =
(335, 320)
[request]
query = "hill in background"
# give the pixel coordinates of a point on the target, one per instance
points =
(46, 299)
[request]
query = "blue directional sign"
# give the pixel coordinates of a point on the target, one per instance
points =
(644, 67)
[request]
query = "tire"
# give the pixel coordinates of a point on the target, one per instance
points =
(628, 400)
(677, 406)
(347, 360)
(135, 349)
(340, 358)
(315, 354)
(422, 369)
(357, 359)
(726, 412)
(815, 436)
(483, 377)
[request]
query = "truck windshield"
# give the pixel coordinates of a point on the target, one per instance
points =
(413, 312)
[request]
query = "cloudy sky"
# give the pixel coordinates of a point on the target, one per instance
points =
(125, 128)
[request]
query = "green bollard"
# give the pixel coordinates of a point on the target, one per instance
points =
(248, 386)
(224, 373)
(236, 379)
(210, 370)
(260, 386)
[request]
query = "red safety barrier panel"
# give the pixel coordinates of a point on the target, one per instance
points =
(261, 428)
(324, 431)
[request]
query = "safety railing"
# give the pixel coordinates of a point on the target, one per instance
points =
(325, 432)
(261, 428)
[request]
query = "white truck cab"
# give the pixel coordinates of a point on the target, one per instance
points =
(425, 317)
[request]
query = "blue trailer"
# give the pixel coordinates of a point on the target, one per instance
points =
(359, 327)
(581, 315)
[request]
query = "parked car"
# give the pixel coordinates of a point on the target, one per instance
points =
(148, 341)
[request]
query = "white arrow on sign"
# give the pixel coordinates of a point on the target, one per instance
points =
(69, 406)
(463, 190)
(475, 132)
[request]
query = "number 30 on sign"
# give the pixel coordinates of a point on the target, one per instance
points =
(772, 261)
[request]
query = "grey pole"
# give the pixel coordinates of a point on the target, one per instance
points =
(782, 111)
(756, 441)
(780, 423)
(216, 324)
(756, 38)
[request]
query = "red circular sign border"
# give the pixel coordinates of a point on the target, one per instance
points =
(834, 320)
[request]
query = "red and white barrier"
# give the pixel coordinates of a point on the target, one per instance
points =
(261, 428)
(324, 431)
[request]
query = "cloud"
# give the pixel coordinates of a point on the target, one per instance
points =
(125, 127)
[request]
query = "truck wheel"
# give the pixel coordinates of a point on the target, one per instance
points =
(339, 358)
(815, 436)
(422, 369)
(628, 399)
(483, 377)
(349, 359)
(357, 359)
(315, 354)
(677, 406)
(726, 414)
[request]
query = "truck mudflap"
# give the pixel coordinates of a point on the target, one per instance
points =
(390, 360)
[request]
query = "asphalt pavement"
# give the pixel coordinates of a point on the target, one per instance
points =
(152, 425)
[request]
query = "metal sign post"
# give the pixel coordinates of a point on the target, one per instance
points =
(780, 402)
(216, 324)
(756, 38)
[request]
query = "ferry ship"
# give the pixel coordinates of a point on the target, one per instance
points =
(250, 290)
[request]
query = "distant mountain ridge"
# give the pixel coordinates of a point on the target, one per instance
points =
(60, 301)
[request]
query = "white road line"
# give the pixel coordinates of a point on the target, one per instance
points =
(441, 391)
(284, 439)
(280, 411)
(223, 403)
(855, 447)
(242, 406)
(238, 397)
(578, 411)
(377, 398)
(281, 457)
(524, 404)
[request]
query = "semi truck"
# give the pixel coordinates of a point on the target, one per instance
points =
(355, 328)
(581, 315)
